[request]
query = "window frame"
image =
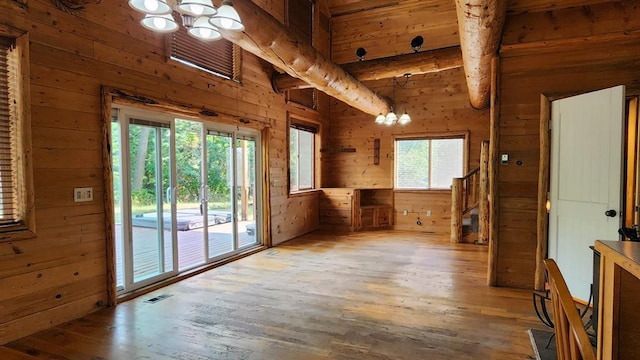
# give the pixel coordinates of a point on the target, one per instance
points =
(25, 228)
(464, 135)
(294, 120)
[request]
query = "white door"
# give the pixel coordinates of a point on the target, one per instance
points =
(586, 164)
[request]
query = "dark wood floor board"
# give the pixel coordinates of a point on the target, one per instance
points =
(371, 295)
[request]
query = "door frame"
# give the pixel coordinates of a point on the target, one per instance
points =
(114, 96)
(544, 166)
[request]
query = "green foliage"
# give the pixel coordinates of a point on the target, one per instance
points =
(188, 135)
(142, 197)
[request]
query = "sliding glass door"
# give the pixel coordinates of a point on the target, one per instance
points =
(185, 194)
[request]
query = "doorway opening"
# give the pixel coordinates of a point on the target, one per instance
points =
(185, 194)
(631, 197)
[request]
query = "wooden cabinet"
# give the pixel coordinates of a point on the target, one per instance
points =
(338, 209)
(375, 209)
(619, 295)
(375, 216)
(352, 209)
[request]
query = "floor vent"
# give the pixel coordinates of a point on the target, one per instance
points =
(154, 300)
(273, 252)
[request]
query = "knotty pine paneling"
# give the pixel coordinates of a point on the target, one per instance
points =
(61, 274)
(417, 204)
(385, 28)
(437, 103)
(543, 55)
(520, 6)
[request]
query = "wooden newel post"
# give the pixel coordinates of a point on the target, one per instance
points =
(456, 210)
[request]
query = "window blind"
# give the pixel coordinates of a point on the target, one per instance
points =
(300, 15)
(218, 57)
(304, 127)
(9, 67)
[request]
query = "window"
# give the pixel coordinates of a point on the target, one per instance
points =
(301, 156)
(16, 190)
(428, 163)
(219, 57)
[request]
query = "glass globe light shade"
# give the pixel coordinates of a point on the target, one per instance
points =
(203, 30)
(380, 119)
(404, 119)
(196, 8)
(160, 23)
(227, 17)
(151, 7)
(391, 118)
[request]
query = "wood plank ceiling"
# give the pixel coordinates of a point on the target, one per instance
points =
(385, 28)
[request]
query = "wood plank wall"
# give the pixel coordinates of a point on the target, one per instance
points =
(61, 274)
(437, 103)
(382, 28)
(556, 53)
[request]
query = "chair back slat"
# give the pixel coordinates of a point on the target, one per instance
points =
(572, 341)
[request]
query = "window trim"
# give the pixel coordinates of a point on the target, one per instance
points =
(464, 135)
(24, 168)
(303, 122)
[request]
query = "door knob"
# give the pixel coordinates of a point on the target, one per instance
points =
(611, 213)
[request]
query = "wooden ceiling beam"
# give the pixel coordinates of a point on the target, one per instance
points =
(384, 68)
(480, 24)
(265, 37)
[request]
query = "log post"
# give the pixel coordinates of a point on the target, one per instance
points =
(394, 66)
(480, 25)
(265, 37)
(543, 189)
(494, 135)
(483, 200)
(456, 210)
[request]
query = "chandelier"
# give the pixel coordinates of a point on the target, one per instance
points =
(201, 19)
(391, 118)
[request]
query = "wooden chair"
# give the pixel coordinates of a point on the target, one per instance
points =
(572, 341)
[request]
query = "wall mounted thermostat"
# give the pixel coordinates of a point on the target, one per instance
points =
(504, 159)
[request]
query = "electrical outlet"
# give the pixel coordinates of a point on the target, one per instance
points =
(405, 212)
(83, 194)
(428, 212)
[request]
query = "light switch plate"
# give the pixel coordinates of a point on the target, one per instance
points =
(504, 159)
(83, 194)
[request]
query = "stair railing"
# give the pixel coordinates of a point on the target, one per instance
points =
(470, 192)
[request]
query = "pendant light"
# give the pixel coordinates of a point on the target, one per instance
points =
(227, 17)
(203, 30)
(201, 19)
(151, 7)
(391, 118)
(160, 23)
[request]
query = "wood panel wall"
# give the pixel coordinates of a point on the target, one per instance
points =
(437, 103)
(385, 28)
(556, 53)
(61, 274)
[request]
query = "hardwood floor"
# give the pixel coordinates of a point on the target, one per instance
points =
(370, 295)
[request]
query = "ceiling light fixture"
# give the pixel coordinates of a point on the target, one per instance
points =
(391, 117)
(201, 19)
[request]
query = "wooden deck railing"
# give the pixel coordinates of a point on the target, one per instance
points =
(469, 192)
